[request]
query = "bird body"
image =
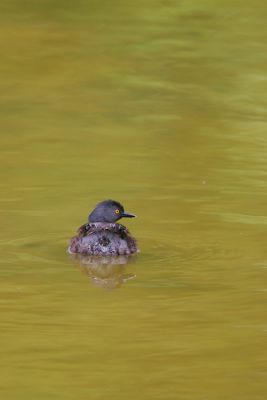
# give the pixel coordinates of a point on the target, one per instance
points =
(102, 235)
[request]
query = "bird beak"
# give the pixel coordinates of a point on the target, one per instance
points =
(127, 215)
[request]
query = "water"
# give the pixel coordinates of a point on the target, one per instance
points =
(162, 106)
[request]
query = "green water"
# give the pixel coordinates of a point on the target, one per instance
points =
(162, 106)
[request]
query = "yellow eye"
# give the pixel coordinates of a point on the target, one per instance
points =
(117, 211)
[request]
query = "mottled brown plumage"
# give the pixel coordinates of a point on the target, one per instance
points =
(100, 238)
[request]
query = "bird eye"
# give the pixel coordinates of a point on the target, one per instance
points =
(117, 211)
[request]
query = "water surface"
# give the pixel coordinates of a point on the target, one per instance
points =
(162, 106)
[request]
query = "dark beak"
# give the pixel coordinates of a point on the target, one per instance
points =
(127, 215)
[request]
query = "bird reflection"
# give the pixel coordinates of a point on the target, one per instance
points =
(108, 272)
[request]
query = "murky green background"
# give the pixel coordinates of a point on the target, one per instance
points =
(162, 106)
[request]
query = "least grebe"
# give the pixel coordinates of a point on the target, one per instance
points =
(102, 235)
